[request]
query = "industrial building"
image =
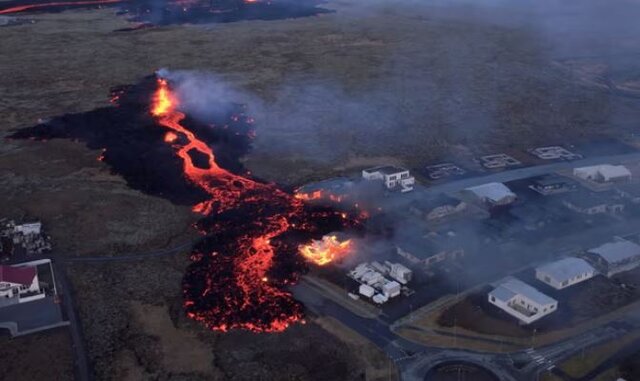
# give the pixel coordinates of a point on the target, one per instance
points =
(493, 194)
(565, 272)
(615, 257)
(394, 178)
(593, 203)
(522, 301)
(604, 173)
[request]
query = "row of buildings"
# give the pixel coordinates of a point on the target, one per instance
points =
(26, 238)
(528, 304)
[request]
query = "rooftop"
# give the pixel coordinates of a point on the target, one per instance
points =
(566, 268)
(517, 286)
(551, 180)
(492, 191)
(386, 169)
(607, 170)
(19, 275)
(617, 251)
(503, 294)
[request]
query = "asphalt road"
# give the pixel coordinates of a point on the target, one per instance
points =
(413, 359)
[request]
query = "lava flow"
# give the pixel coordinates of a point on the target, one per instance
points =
(33, 7)
(249, 255)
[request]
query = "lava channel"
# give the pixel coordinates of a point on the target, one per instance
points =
(252, 230)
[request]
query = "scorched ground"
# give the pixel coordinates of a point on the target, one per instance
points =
(254, 233)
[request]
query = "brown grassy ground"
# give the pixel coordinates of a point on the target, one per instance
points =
(390, 82)
(38, 357)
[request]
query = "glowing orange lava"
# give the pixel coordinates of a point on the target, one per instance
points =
(327, 250)
(30, 7)
(255, 251)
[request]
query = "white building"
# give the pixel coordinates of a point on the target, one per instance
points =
(391, 289)
(399, 272)
(522, 301)
(393, 177)
(604, 173)
(373, 283)
(367, 291)
(19, 282)
(565, 272)
(28, 228)
(493, 194)
(615, 257)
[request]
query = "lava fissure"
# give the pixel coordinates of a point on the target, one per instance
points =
(233, 282)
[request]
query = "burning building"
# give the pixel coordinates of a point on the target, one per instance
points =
(326, 250)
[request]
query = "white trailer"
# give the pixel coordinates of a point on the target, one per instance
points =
(366, 290)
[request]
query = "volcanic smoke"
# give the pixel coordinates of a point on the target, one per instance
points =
(239, 282)
(255, 235)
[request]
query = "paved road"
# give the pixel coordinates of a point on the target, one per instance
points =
(82, 370)
(523, 173)
(413, 359)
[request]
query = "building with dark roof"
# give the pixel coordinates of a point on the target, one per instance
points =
(428, 250)
(552, 184)
(16, 281)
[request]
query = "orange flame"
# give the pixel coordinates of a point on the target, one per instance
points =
(327, 250)
(164, 101)
(318, 195)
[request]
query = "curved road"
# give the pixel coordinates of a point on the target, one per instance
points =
(413, 359)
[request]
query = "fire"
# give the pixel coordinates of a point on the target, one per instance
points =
(170, 137)
(327, 250)
(318, 195)
(164, 102)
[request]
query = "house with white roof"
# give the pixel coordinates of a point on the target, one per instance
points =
(493, 194)
(604, 173)
(522, 301)
(565, 272)
(392, 177)
(615, 257)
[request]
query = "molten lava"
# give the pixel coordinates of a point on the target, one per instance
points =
(325, 251)
(251, 231)
(33, 7)
(237, 279)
